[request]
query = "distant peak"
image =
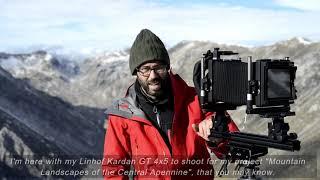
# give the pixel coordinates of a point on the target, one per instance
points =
(300, 40)
(40, 52)
(303, 40)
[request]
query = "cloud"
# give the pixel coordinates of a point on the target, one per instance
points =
(313, 5)
(114, 24)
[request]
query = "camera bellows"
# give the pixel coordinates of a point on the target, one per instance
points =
(230, 82)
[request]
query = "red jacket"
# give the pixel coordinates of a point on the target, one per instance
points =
(131, 139)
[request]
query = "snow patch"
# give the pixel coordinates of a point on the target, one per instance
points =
(11, 63)
(304, 40)
(48, 57)
(313, 108)
(109, 57)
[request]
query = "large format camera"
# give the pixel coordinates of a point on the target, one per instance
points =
(228, 83)
(265, 86)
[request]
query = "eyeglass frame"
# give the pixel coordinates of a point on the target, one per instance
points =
(164, 67)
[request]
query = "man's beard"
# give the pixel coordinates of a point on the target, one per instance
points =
(154, 94)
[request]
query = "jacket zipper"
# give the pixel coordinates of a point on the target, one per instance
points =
(155, 110)
(171, 132)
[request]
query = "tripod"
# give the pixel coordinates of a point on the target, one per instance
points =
(246, 146)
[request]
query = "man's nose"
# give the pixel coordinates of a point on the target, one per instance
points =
(153, 74)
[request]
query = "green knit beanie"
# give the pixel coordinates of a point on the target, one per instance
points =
(147, 47)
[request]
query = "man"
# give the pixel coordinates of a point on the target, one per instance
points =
(158, 127)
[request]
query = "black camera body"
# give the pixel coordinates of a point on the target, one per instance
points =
(229, 83)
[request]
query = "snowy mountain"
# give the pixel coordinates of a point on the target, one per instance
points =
(24, 65)
(78, 82)
(104, 77)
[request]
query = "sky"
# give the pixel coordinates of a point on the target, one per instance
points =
(113, 24)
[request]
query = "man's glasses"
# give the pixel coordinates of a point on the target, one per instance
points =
(146, 70)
